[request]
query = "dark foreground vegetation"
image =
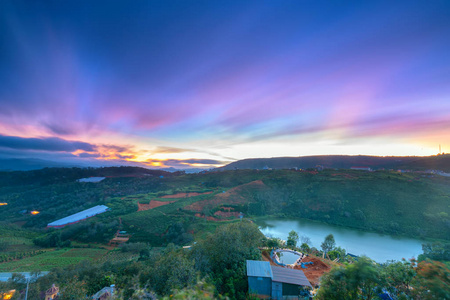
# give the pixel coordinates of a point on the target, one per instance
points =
(214, 268)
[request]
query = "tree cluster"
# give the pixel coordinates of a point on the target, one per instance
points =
(365, 279)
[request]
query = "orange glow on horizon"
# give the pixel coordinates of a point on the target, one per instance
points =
(34, 212)
(3, 203)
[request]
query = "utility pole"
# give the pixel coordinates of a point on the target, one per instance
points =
(26, 293)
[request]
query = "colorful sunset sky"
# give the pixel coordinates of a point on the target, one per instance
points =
(203, 83)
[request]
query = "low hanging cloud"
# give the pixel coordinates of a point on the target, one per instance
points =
(183, 163)
(163, 149)
(52, 144)
(195, 161)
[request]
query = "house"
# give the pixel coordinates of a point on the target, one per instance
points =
(274, 282)
(287, 282)
(260, 276)
(105, 293)
(52, 293)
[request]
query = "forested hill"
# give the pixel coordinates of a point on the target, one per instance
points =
(63, 175)
(439, 162)
(412, 204)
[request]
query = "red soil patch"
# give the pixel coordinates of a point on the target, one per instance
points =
(232, 196)
(152, 204)
(227, 208)
(226, 214)
(311, 172)
(198, 215)
(314, 271)
(184, 195)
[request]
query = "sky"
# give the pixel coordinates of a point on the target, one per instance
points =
(203, 83)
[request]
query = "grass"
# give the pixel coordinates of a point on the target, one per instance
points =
(52, 259)
(117, 255)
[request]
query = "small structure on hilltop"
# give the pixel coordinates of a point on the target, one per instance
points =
(265, 280)
(91, 179)
(361, 168)
(82, 215)
(52, 293)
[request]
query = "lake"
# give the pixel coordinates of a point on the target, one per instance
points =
(376, 246)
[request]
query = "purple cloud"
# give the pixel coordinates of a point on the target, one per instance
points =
(44, 144)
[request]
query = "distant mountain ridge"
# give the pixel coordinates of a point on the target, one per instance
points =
(438, 162)
(20, 164)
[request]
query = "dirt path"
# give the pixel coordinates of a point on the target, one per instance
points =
(184, 195)
(232, 196)
(152, 204)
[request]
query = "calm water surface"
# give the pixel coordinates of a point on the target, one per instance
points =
(288, 258)
(376, 246)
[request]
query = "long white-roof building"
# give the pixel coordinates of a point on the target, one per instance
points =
(82, 215)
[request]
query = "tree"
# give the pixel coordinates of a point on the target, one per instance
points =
(223, 257)
(273, 242)
(398, 276)
(435, 251)
(172, 271)
(177, 235)
(305, 240)
(292, 239)
(432, 281)
(73, 289)
(328, 244)
(337, 252)
(305, 248)
(360, 280)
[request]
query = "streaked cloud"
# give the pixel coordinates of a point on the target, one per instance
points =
(44, 144)
(126, 85)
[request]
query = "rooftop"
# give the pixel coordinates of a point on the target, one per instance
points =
(80, 216)
(259, 268)
(291, 276)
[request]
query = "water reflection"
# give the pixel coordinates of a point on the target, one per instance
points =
(376, 246)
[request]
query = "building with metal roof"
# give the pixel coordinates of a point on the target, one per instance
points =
(291, 276)
(82, 215)
(287, 282)
(258, 268)
(259, 276)
(265, 280)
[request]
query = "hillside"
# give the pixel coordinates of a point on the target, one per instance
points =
(441, 162)
(158, 210)
(412, 204)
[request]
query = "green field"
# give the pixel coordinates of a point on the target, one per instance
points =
(52, 259)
